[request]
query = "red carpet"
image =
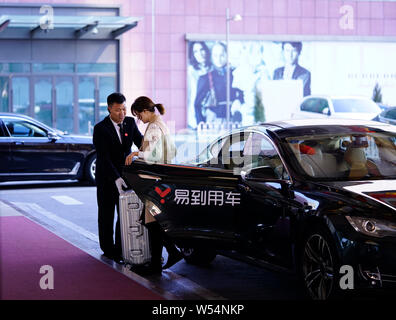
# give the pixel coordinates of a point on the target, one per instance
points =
(26, 246)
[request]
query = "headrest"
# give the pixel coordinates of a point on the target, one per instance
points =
(355, 155)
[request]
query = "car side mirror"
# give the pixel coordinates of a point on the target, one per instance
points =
(52, 136)
(326, 111)
(261, 173)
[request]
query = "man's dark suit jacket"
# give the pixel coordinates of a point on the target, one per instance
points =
(110, 153)
(298, 73)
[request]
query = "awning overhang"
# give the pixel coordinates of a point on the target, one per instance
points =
(65, 27)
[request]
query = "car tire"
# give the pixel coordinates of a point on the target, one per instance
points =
(198, 256)
(90, 169)
(319, 265)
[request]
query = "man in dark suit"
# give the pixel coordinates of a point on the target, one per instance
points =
(113, 138)
(292, 70)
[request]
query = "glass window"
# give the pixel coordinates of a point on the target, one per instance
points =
(309, 105)
(20, 95)
(230, 156)
(355, 106)
(259, 152)
(53, 67)
(352, 155)
(391, 114)
(22, 128)
(106, 87)
(96, 67)
(86, 103)
(4, 94)
(43, 100)
(64, 103)
(2, 130)
(315, 105)
(14, 67)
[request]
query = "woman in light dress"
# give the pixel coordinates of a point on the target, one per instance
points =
(157, 147)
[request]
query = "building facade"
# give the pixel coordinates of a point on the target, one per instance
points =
(61, 69)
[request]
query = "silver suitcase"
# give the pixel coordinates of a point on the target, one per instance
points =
(134, 235)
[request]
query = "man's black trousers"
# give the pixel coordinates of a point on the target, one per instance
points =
(108, 201)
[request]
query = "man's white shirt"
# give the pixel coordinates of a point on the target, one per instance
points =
(117, 128)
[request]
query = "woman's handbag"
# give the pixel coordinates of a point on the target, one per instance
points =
(210, 99)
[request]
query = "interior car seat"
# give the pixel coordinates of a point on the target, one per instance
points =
(355, 158)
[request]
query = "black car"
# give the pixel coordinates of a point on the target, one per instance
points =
(30, 150)
(317, 197)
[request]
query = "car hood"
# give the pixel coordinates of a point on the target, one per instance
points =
(380, 191)
(355, 115)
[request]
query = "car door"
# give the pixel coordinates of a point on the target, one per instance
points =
(5, 152)
(36, 151)
(193, 201)
(264, 219)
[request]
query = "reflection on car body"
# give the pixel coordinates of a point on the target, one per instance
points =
(306, 195)
(30, 150)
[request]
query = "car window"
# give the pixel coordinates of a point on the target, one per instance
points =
(22, 128)
(210, 153)
(230, 156)
(314, 105)
(355, 106)
(260, 152)
(2, 131)
(367, 154)
(390, 114)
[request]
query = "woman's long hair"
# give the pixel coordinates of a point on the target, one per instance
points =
(191, 56)
(145, 103)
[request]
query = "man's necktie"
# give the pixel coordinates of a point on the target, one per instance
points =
(121, 132)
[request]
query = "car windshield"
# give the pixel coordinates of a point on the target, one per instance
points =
(349, 156)
(355, 106)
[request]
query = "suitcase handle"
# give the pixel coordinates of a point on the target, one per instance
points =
(138, 229)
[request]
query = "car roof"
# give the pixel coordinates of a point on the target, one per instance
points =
(10, 114)
(22, 116)
(325, 96)
(321, 122)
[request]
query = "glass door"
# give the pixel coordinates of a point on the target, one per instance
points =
(64, 104)
(106, 87)
(20, 95)
(43, 97)
(86, 103)
(4, 94)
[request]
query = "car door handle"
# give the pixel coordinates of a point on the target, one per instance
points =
(18, 143)
(244, 188)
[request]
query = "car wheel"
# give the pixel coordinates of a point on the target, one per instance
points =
(319, 265)
(198, 256)
(90, 169)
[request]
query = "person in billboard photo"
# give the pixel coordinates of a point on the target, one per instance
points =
(199, 64)
(292, 70)
(211, 100)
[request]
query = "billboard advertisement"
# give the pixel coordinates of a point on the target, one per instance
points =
(268, 79)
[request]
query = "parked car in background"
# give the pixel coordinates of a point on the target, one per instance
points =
(305, 195)
(347, 107)
(387, 116)
(383, 106)
(30, 150)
